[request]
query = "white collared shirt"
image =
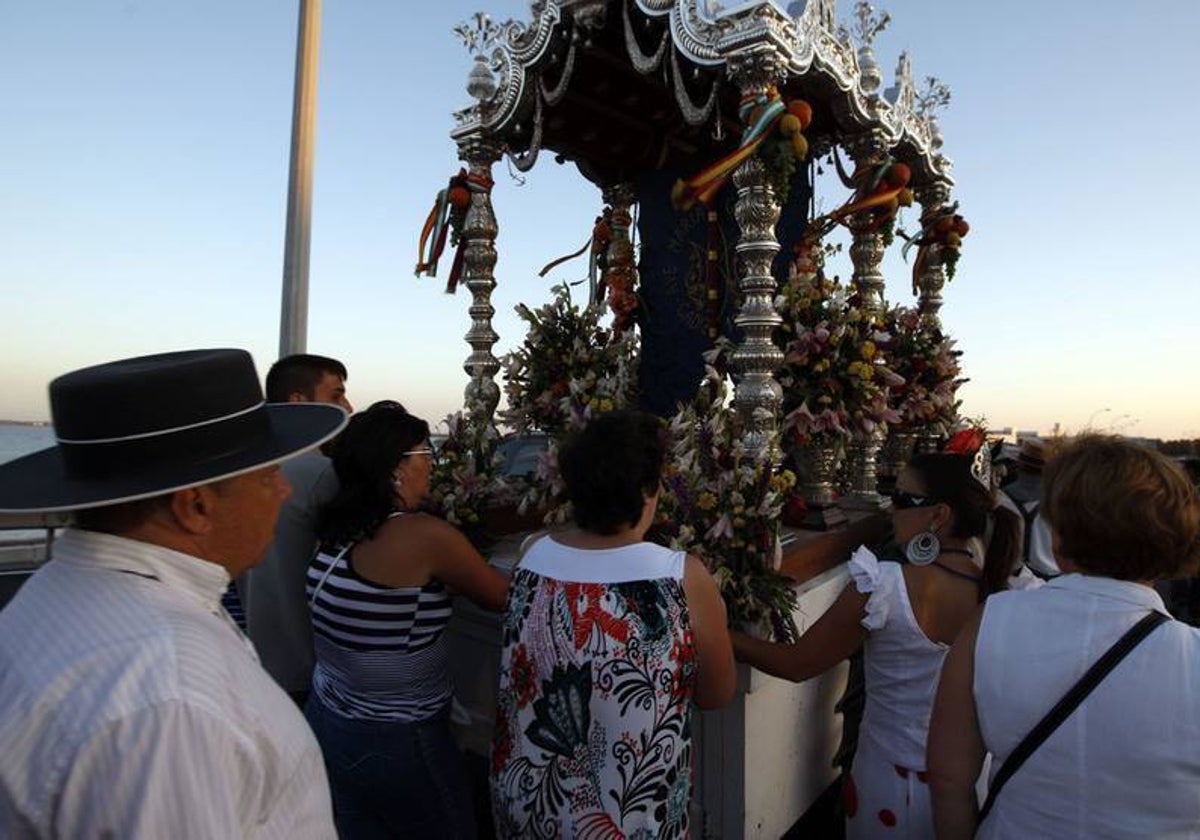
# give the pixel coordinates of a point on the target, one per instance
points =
(131, 706)
(1126, 763)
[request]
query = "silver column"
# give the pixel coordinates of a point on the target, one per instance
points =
(866, 253)
(479, 262)
(757, 394)
(933, 199)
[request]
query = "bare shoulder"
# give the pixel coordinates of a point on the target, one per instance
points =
(698, 582)
(694, 568)
(419, 525)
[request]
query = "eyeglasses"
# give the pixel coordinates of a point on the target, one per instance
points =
(903, 500)
(427, 451)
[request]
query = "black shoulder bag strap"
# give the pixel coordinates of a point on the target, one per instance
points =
(1069, 702)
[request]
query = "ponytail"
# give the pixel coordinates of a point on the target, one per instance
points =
(1003, 551)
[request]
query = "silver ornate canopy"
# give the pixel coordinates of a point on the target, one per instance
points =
(618, 86)
(533, 63)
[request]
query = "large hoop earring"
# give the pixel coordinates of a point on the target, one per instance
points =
(922, 549)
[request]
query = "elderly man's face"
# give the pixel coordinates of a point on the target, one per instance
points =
(244, 518)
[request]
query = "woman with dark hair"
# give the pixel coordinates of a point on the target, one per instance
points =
(608, 640)
(1125, 761)
(906, 615)
(379, 591)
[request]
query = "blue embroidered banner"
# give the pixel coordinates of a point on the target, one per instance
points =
(671, 280)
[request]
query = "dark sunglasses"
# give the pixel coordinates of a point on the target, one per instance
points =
(902, 500)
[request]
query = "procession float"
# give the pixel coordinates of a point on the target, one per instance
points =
(739, 153)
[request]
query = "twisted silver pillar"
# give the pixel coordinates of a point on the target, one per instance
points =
(757, 394)
(933, 199)
(479, 261)
(866, 253)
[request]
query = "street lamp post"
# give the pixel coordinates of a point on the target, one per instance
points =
(293, 326)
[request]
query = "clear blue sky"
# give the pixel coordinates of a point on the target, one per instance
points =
(143, 178)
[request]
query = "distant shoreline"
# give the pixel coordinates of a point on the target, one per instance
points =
(24, 422)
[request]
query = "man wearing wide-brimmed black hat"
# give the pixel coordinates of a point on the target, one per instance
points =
(130, 704)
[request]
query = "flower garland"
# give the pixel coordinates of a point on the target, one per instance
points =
(568, 368)
(928, 362)
(725, 506)
(834, 376)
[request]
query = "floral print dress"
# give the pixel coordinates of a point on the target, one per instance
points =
(593, 730)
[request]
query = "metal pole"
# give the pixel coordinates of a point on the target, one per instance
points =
(293, 326)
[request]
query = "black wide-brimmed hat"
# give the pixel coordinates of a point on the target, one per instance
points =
(143, 427)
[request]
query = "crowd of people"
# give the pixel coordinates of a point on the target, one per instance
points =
(1023, 677)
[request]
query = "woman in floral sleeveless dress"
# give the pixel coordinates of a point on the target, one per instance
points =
(608, 640)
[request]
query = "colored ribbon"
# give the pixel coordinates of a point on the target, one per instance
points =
(448, 213)
(596, 245)
(704, 186)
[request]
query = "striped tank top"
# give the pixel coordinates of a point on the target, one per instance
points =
(381, 653)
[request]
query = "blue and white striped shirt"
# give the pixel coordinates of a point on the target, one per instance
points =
(381, 651)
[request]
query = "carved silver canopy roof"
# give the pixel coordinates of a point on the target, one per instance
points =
(692, 50)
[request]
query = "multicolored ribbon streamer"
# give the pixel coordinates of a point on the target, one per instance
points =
(704, 186)
(448, 213)
(596, 246)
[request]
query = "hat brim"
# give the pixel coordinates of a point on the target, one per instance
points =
(39, 483)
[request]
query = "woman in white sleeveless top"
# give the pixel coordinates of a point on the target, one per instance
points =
(906, 615)
(1126, 762)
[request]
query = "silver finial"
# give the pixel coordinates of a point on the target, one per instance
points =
(868, 23)
(481, 85)
(934, 97)
(478, 33)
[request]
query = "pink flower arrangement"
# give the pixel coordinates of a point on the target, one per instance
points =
(927, 360)
(835, 376)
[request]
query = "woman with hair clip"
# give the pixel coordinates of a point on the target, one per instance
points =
(907, 615)
(379, 588)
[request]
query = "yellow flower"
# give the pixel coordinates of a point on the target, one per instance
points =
(606, 404)
(868, 350)
(706, 501)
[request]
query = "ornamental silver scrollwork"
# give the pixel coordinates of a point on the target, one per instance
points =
(693, 114)
(644, 63)
(516, 50)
